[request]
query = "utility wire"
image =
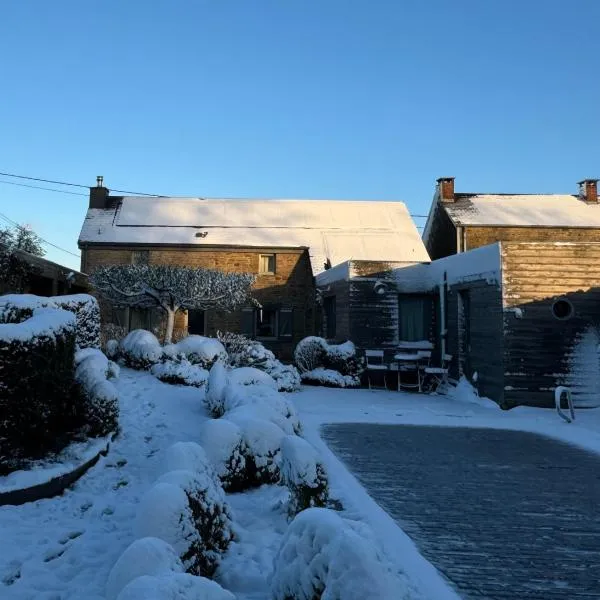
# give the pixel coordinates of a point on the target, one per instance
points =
(39, 187)
(9, 220)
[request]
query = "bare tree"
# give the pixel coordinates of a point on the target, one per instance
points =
(172, 288)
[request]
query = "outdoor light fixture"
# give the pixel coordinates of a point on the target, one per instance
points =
(380, 288)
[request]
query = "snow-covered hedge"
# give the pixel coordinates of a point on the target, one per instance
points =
(14, 308)
(323, 555)
(334, 365)
(100, 400)
(202, 351)
(146, 556)
(251, 376)
(111, 349)
(215, 392)
(38, 399)
(303, 472)
(211, 517)
(140, 349)
(180, 371)
(177, 586)
(188, 456)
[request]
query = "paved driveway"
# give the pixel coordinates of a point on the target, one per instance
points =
(502, 514)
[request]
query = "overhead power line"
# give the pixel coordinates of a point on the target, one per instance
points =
(39, 187)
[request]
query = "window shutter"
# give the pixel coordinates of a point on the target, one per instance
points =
(285, 323)
(248, 322)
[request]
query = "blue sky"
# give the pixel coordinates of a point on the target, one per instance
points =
(295, 98)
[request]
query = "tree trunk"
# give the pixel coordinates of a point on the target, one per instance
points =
(170, 325)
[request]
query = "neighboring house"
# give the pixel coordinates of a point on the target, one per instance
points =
(286, 243)
(48, 278)
(458, 222)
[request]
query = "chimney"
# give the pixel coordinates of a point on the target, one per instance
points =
(588, 190)
(446, 189)
(99, 194)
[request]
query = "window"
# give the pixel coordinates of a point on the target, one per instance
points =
(266, 264)
(562, 309)
(140, 257)
(196, 322)
(268, 323)
(414, 317)
(329, 306)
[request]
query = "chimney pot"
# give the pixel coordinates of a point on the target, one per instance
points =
(99, 181)
(588, 190)
(99, 194)
(446, 189)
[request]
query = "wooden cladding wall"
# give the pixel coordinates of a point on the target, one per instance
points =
(341, 291)
(475, 339)
(537, 344)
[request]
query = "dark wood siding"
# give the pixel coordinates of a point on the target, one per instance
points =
(485, 336)
(538, 346)
(441, 241)
(339, 289)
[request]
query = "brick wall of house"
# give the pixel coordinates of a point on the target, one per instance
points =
(292, 285)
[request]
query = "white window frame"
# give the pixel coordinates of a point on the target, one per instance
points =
(260, 264)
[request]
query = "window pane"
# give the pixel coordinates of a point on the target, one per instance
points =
(266, 323)
(248, 319)
(285, 323)
(266, 263)
(414, 318)
(196, 322)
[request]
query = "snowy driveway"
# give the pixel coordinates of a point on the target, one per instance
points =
(502, 514)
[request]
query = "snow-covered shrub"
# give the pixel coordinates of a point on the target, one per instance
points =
(111, 349)
(303, 472)
(38, 396)
(263, 398)
(210, 515)
(344, 359)
(188, 456)
(251, 376)
(180, 371)
(286, 377)
(323, 556)
(178, 586)
(140, 349)
(223, 443)
(111, 331)
(203, 351)
(217, 380)
(329, 378)
(260, 411)
(310, 353)
(100, 401)
(146, 556)
(87, 312)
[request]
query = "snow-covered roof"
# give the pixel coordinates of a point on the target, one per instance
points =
(334, 230)
(540, 210)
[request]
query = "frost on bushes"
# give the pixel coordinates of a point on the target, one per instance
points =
(332, 365)
(323, 556)
(180, 371)
(217, 380)
(303, 472)
(211, 518)
(140, 349)
(264, 400)
(200, 350)
(251, 376)
(224, 446)
(286, 377)
(188, 456)
(146, 556)
(111, 349)
(178, 586)
(100, 401)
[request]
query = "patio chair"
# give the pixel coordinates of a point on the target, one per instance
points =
(375, 363)
(438, 376)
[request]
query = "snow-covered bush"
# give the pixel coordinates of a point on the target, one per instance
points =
(224, 446)
(260, 411)
(188, 456)
(146, 556)
(334, 365)
(100, 401)
(210, 515)
(217, 380)
(303, 472)
(87, 313)
(140, 349)
(178, 586)
(38, 396)
(323, 556)
(286, 377)
(180, 371)
(251, 376)
(202, 351)
(111, 349)
(265, 398)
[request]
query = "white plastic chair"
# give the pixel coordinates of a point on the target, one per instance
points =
(375, 362)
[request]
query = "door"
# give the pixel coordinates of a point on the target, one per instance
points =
(464, 333)
(196, 322)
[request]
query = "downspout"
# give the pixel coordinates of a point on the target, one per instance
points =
(459, 240)
(442, 292)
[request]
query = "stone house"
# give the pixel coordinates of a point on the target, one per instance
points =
(285, 243)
